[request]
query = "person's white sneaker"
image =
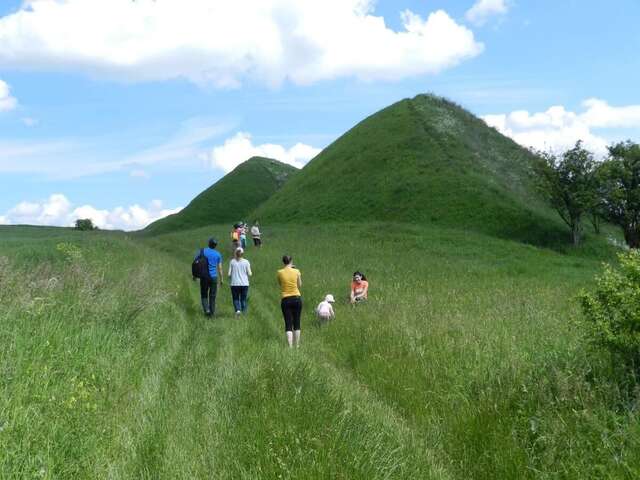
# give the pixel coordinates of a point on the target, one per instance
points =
(238, 312)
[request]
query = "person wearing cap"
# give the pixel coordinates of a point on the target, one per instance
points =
(324, 310)
(209, 285)
(239, 273)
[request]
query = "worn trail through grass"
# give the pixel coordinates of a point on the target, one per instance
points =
(237, 399)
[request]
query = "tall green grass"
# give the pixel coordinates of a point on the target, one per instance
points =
(463, 364)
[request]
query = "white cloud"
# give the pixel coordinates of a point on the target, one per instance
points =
(57, 210)
(240, 147)
(226, 43)
(7, 102)
(600, 114)
(559, 129)
(482, 10)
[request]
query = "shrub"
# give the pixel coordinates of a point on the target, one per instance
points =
(612, 311)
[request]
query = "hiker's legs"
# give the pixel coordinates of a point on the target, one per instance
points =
(244, 298)
(213, 290)
(205, 285)
(205, 306)
(297, 313)
(235, 295)
(287, 313)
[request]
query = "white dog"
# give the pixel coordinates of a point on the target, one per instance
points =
(324, 310)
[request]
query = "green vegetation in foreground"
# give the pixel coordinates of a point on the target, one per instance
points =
(231, 199)
(421, 160)
(463, 365)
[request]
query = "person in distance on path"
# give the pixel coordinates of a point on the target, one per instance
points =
(290, 281)
(209, 285)
(239, 273)
(243, 235)
(235, 238)
(256, 235)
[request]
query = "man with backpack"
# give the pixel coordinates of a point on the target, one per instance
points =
(207, 266)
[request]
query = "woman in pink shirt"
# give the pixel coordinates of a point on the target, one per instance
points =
(359, 288)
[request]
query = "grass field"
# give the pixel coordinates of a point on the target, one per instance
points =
(463, 365)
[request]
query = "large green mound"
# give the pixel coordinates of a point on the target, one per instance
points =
(421, 160)
(230, 199)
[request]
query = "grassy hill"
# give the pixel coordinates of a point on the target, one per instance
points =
(421, 160)
(230, 199)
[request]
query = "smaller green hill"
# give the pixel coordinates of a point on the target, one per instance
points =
(231, 198)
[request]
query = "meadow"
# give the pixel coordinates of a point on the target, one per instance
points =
(464, 364)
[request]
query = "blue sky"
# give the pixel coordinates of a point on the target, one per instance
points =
(124, 111)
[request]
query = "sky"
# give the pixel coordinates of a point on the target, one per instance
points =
(123, 111)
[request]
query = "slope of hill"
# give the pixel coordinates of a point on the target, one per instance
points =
(230, 199)
(421, 160)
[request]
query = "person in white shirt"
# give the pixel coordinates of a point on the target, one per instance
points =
(239, 273)
(324, 310)
(255, 234)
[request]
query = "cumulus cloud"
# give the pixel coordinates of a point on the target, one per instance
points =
(57, 210)
(7, 102)
(483, 10)
(559, 129)
(225, 43)
(240, 147)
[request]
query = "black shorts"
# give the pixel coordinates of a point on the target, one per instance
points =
(257, 242)
(291, 311)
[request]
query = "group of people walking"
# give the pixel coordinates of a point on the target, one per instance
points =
(239, 235)
(207, 266)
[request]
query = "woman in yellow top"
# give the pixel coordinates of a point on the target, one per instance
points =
(291, 303)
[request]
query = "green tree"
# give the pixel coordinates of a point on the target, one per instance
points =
(612, 311)
(568, 183)
(84, 224)
(597, 212)
(621, 190)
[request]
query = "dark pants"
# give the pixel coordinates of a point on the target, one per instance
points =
(208, 291)
(240, 296)
(257, 242)
(291, 310)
